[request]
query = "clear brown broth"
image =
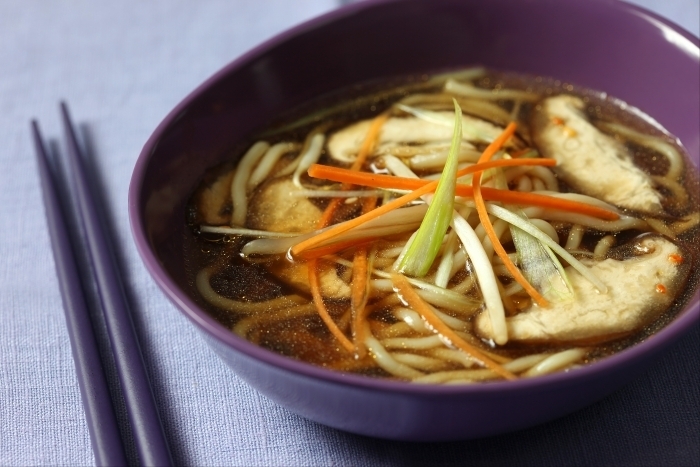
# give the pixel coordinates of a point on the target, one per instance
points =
(307, 338)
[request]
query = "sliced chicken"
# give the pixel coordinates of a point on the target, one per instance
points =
(588, 160)
(398, 131)
(639, 290)
(274, 208)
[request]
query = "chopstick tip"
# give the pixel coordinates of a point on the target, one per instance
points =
(64, 108)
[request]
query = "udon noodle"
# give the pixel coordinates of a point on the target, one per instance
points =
(450, 229)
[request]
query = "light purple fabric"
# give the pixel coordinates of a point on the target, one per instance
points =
(122, 66)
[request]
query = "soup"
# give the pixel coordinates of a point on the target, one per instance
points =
(455, 228)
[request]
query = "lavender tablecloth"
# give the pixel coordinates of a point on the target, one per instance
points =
(122, 66)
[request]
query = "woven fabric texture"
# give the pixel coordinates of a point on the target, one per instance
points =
(122, 66)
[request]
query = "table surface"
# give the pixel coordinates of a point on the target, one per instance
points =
(122, 66)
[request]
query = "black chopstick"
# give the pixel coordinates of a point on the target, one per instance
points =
(151, 444)
(97, 403)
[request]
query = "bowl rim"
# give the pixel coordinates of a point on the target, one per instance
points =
(669, 335)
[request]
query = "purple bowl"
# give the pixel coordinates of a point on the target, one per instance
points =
(600, 44)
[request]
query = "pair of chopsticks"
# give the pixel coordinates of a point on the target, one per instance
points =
(142, 412)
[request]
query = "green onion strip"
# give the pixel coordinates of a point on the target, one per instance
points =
(541, 267)
(426, 244)
(525, 225)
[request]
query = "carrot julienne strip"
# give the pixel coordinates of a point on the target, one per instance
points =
(359, 294)
(369, 141)
(544, 201)
(488, 227)
(362, 330)
(492, 194)
(328, 212)
(362, 178)
(425, 310)
(312, 263)
(360, 288)
(349, 224)
(312, 266)
(335, 247)
(428, 187)
(360, 279)
(366, 149)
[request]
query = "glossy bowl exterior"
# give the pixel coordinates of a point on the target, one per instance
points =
(604, 45)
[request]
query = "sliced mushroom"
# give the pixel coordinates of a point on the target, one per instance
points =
(398, 131)
(273, 207)
(213, 200)
(297, 276)
(640, 288)
(588, 160)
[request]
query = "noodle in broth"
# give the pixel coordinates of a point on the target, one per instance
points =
(495, 257)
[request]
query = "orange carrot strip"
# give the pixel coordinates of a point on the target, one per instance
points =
(370, 141)
(366, 149)
(544, 201)
(359, 278)
(496, 144)
(335, 247)
(360, 287)
(337, 174)
(349, 224)
(359, 294)
(486, 222)
(417, 193)
(426, 311)
(360, 273)
(312, 265)
(361, 330)
(328, 212)
(492, 194)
